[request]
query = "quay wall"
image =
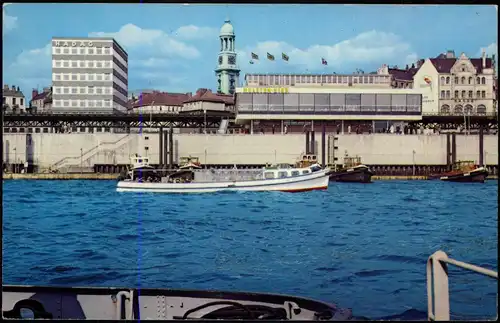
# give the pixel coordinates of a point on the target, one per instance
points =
(83, 149)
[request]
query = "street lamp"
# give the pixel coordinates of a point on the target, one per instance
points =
(15, 159)
(205, 120)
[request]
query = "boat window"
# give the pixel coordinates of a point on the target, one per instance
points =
(282, 174)
(305, 171)
(295, 173)
(268, 175)
(140, 160)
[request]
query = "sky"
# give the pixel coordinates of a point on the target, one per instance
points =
(174, 47)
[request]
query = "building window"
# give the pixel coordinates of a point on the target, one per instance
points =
(66, 103)
(98, 77)
(470, 94)
(82, 51)
(57, 77)
(483, 94)
(74, 50)
(74, 77)
(66, 90)
(447, 80)
(470, 80)
(91, 77)
(481, 109)
(456, 95)
(74, 90)
(83, 77)
(99, 64)
(82, 90)
(98, 90)
(57, 50)
(91, 103)
(82, 64)
(66, 64)
(107, 76)
(442, 80)
(57, 90)
(478, 94)
(90, 64)
(74, 64)
(456, 79)
(66, 51)
(99, 51)
(22, 101)
(448, 94)
(458, 109)
(107, 103)
(107, 51)
(90, 90)
(107, 90)
(463, 80)
(483, 80)
(442, 94)
(58, 63)
(107, 64)
(66, 77)
(478, 80)
(74, 103)
(91, 51)
(463, 94)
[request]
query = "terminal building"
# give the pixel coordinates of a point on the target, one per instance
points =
(89, 75)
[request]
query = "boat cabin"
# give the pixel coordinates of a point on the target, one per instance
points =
(189, 163)
(350, 162)
(285, 170)
(307, 160)
(464, 165)
(139, 162)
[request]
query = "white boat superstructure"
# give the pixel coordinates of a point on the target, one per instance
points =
(281, 177)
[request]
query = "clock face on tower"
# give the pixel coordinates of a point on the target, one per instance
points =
(231, 60)
(220, 60)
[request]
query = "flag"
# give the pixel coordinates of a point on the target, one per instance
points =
(255, 56)
(285, 57)
(251, 62)
(323, 61)
(270, 57)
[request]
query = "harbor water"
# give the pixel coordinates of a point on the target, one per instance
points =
(359, 246)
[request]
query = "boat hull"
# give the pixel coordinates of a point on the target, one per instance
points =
(315, 181)
(363, 175)
(476, 176)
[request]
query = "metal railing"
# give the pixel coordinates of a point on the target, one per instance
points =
(438, 297)
(329, 109)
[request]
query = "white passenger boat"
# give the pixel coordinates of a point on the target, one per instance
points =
(280, 177)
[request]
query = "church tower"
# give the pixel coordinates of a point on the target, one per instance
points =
(227, 71)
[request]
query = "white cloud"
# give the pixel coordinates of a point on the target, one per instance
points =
(8, 22)
(194, 32)
(491, 49)
(153, 55)
(150, 41)
(372, 47)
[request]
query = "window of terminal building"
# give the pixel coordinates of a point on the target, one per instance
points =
(90, 64)
(82, 51)
(413, 102)
(383, 102)
(66, 50)
(275, 101)
(82, 90)
(81, 64)
(57, 50)
(66, 90)
(98, 77)
(107, 64)
(66, 103)
(74, 50)
(99, 64)
(107, 76)
(368, 102)
(66, 77)
(91, 51)
(74, 103)
(90, 77)
(45, 130)
(99, 51)
(353, 101)
(57, 63)
(398, 102)
(107, 50)
(74, 63)
(65, 63)
(57, 77)
(21, 130)
(83, 77)
(74, 77)
(74, 90)
(37, 130)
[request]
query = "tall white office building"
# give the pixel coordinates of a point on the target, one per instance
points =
(89, 75)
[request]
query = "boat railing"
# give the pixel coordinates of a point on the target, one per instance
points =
(438, 298)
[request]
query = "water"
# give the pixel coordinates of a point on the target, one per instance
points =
(359, 246)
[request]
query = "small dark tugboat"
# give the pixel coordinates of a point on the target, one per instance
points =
(464, 171)
(141, 170)
(352, 172)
